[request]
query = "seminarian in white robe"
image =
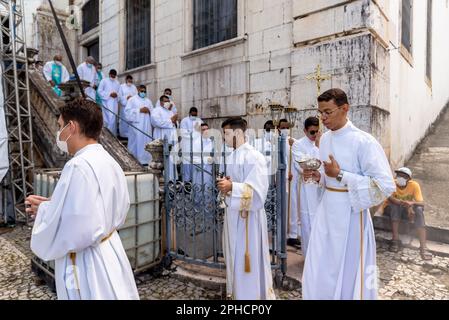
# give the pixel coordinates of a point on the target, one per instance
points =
(126, 92)
(137, 140)
(88, 73)
(247, 169)
(78, 229)
(265, 146)
(309, 194)
(189, 135)
(105, 89)
(164, 128)
(332, 268)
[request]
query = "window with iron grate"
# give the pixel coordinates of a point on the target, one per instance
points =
(214, 21)
(138, 33)
(91, 15)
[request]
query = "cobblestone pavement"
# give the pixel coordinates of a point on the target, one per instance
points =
(401, 276)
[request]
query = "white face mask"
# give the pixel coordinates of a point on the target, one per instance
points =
(285, 132)
(62, 145)
(193, 118)
(167, 105)
(402, 182)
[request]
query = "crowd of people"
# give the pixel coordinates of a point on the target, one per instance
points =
(329, 209)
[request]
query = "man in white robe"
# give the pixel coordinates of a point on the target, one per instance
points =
(168, 93)
(189, 131)
(88, 72)
(264, 145)
(78, 226)
(126, 92)
(164, 121)
(341, 257)
(305, 148)
(108, 91)
(138, 113)
(245, 235)
(56, 73)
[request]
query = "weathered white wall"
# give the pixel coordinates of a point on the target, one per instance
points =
(414, 104)
(279, 43)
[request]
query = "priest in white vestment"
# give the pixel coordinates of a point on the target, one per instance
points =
(309, 193)
(189, 132)
(245, 235)
(341, 257)
(88, 72)
(138, 113)
(56, 73)
(78, 226)
(164, 121)
(126, 92)
(108, 91)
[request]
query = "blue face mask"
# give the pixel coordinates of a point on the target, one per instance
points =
(89, 65)
(142, 94)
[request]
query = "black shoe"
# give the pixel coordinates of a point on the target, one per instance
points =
(293, 242)
(395, 246)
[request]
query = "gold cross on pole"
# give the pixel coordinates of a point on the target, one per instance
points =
(318, 77)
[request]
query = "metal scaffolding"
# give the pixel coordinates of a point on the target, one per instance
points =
(13, 55)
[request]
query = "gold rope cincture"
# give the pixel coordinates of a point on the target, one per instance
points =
(244, 214)
(73, 259)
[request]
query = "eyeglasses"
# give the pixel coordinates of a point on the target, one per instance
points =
(327, 113)
(313, 132)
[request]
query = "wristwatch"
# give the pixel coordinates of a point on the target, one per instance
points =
(340, 176)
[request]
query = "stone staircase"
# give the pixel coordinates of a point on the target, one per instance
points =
(44, 106)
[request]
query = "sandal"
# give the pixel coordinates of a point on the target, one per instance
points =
(425, 254)
(395, 245)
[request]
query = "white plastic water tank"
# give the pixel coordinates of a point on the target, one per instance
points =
(141, 232)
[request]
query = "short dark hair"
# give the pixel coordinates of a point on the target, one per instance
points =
(129, 77)
(163, 97)
(168, 89)
(228, 121)
(142, 86)
(311, 121)
(193, 109)
(86, 113)
(204, 124)
(238, 123)
(269, 124)
(283, 120)
(99, 65)
(337, 95)
(113, 72)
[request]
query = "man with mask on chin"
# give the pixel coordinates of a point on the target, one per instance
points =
(190, 132)
(407, 204)
(88, 72)
(78, 226)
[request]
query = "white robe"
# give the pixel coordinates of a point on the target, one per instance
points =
(333, 266)
(90, 201)
(264, 146)
(106, 87)
(158, 104)
(125, 93)
(48, 72)
(137, 140)
(294, 209)
(89, 75)
(247, 169)
(188, 135)
(163, 128)
(202, 159)
(308, 193)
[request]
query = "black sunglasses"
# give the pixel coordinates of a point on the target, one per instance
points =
(313, 132)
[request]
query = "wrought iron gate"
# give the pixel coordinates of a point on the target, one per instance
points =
(194, 219)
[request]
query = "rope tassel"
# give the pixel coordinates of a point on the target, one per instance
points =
(247, 256)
